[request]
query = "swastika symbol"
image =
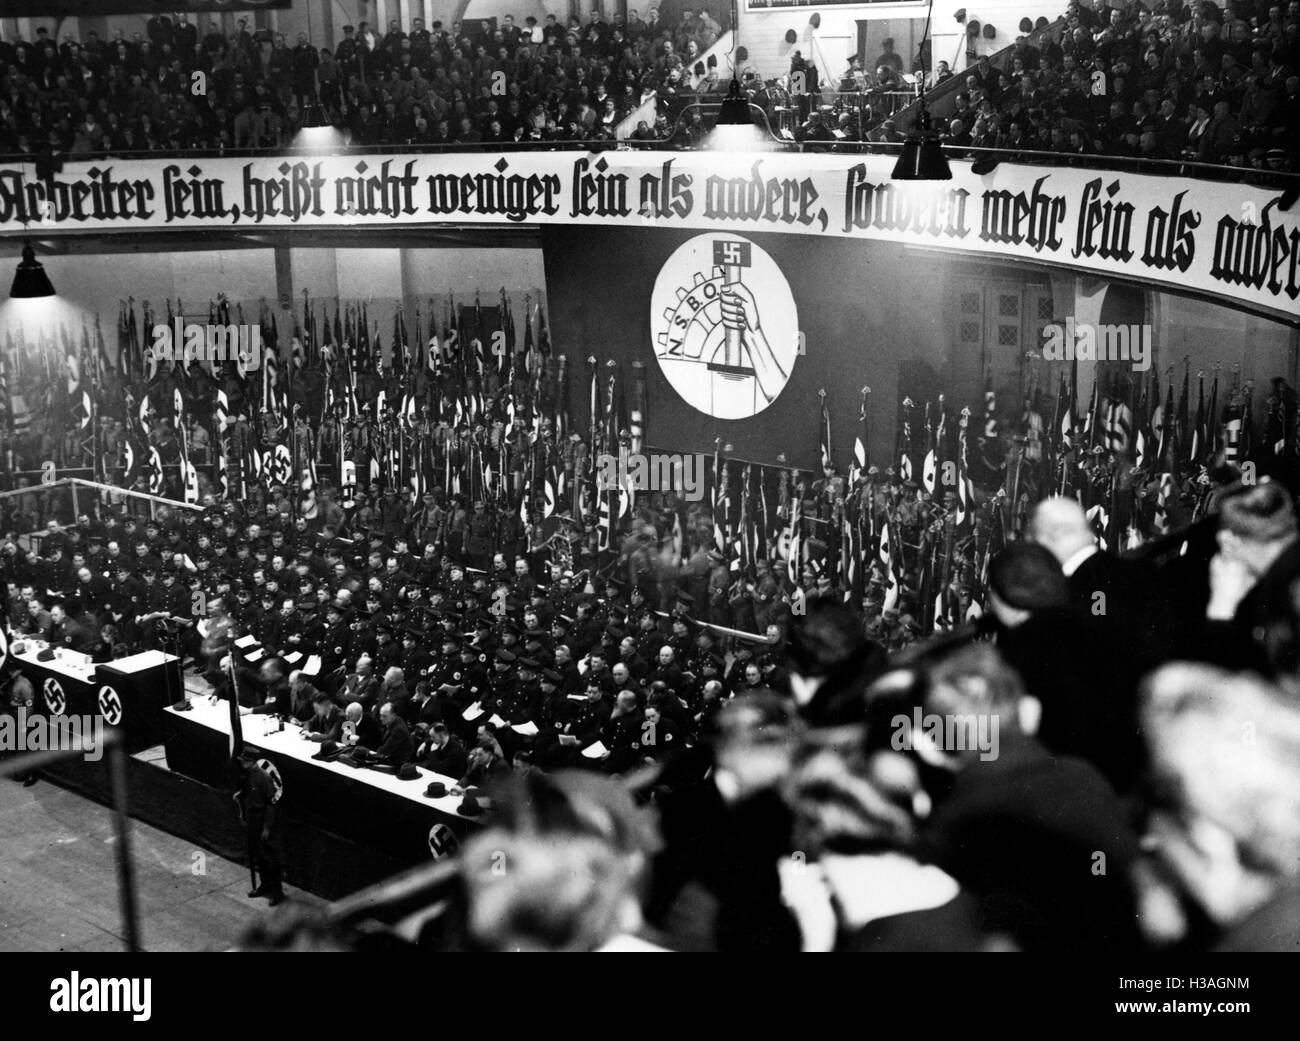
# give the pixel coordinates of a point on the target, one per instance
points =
(54, 696)
(276, 780)
(110, 705)
(442, 841)
(731, 254)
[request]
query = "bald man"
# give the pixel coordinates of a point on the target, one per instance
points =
(361, 728)
(624, 734)
(1103, 586)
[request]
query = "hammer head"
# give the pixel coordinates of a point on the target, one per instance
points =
(732, 254)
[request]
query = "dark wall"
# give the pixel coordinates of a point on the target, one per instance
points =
(864, 309)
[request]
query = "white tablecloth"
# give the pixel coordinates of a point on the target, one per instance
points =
(290, 742)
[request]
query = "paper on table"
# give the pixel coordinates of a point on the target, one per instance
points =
(472, 713)
(497, 721)
(594, 751)
(255, 655)
(246, 641)
(312, 666)
(528, 729)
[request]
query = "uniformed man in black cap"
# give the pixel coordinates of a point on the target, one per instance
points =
(366, 625)
(474, 675)
(615, 605)
(277, 624)
(560, 596)
(336, 642)
(680, 640)
(153, 605)
(587, 629)
(256, 797)
(503, 680)
(484, 639)
(388, 652)
(638, 607)
(551, 705)
(311, 627)
(577, 723)
(416, 659)
(523, 703)
(648, 638)
(447, 674)
(124, 600)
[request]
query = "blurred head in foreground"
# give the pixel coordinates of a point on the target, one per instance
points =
(561, 870)
(1225, 752)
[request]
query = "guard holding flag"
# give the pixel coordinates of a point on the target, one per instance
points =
(256, 798)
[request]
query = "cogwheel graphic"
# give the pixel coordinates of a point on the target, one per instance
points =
(694, 326)
(724, 326)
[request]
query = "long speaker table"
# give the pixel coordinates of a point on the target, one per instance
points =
(372, 808)
(130, 693)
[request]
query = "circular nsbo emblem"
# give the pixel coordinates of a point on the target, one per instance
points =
(54, 697)
(110, 705)
(726, 331)
(442, 842)
(276, 779)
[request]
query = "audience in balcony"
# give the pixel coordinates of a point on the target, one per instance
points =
(1170, 81)
(169, 89)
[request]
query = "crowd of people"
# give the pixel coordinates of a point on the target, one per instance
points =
(1170, 80)
(176, 87)
(1067, 780)
(1177, 81)
(755, 697)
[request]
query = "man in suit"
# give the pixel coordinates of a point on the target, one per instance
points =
(1120, 594)
(444, 753)
(396, 747)
(360, 728)
(326, 723)
(1020, 827)
(1081, 675)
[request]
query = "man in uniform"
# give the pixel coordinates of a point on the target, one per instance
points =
(256, 797)
(416, 660)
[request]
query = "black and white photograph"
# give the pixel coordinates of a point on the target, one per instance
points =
(719, 477)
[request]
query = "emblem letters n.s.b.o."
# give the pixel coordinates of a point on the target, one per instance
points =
(725, 326)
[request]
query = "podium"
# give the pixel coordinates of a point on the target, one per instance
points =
(142, 685)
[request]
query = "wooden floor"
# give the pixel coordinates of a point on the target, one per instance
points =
(58, 880)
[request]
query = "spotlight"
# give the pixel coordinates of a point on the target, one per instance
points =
(735, 108)
(317, 130)
(314, 118)
(922, 158)
(30, 280)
